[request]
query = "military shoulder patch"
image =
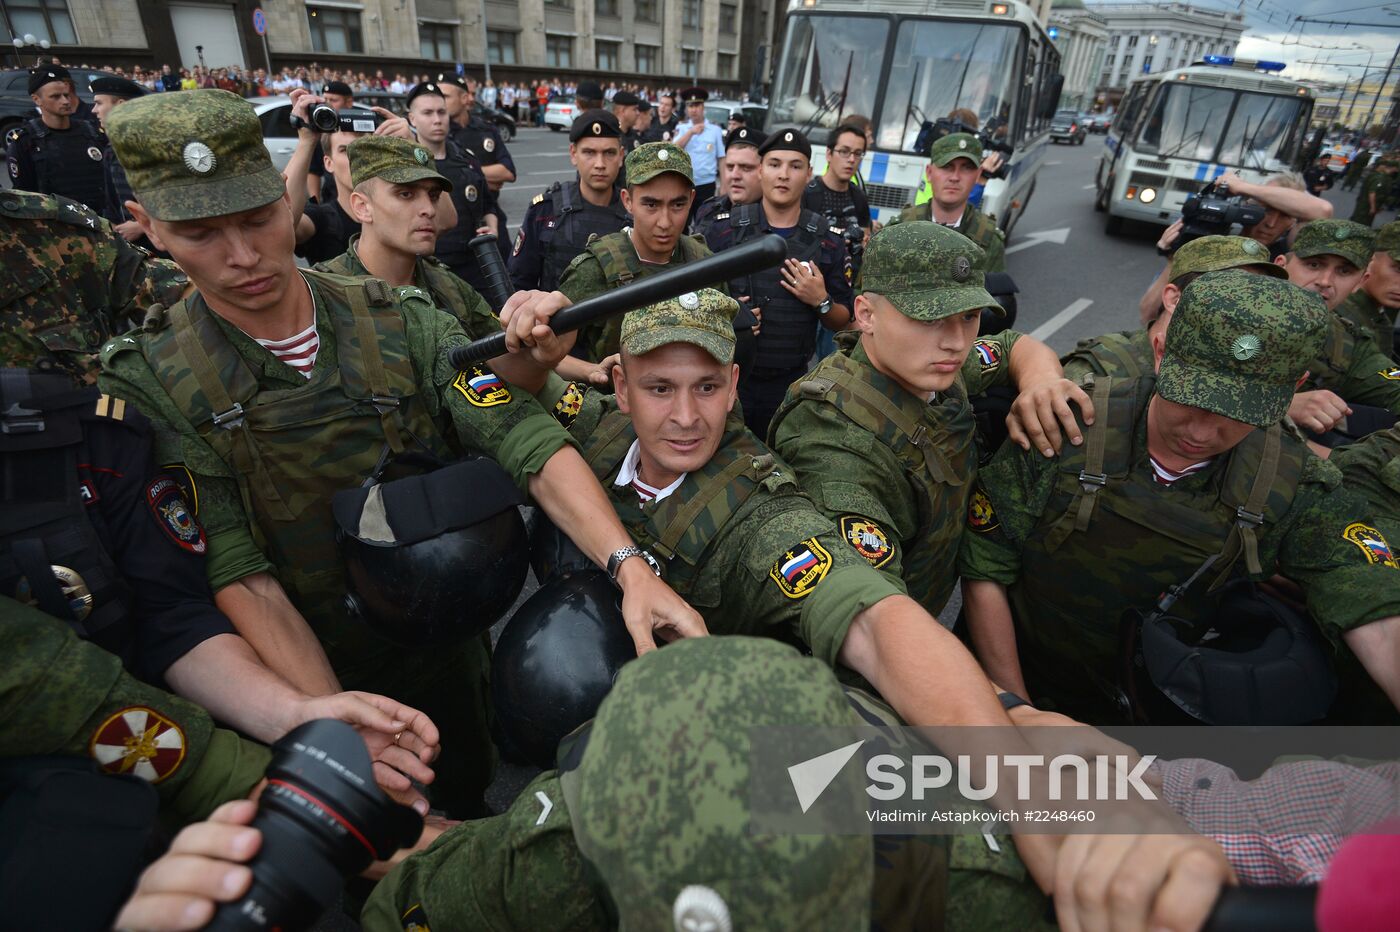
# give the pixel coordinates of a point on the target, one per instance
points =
(481, 387)
(182, 475)
(980, 515)
(139, 741)
(1392, 374)
(800, 569)
(567, 408)
(1372, 543)
(166, 500)
(868, 538)
(415, 919)
(988, 353)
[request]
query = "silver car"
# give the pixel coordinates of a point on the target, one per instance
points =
(280, 137)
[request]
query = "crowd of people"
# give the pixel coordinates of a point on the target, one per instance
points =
(236, 487)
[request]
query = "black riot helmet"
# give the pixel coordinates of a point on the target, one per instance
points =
(433, 558)
(555, 661)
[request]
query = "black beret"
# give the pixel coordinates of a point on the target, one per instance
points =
(695, 95)
(339, 87)
(115, 86)
(743, 136)
(590, 90)
(44, 74)
(452, 78)
(788, 140)
(643, 105)
(594, 124)
(626, 99)
(418, 90)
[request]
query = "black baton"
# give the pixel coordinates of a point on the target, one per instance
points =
(763, 253)
(497, 290)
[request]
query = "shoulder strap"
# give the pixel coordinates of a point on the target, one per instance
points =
(596, 447)
(748, 460)
(811, 221)
(1271, 474)
(743, 216)
(564, 197)
(693, 247)
(1105, 455)
(617, 258)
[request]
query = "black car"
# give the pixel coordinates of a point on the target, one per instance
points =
(1068, 126)
(504, 122)
(16, 106)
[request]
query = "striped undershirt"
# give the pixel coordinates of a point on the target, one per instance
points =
(297, 351)
(1165, 476)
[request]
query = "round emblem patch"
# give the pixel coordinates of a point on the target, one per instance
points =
(980, 515)
(787, 137)
(470, 193)
(597, 129)
(663, 154)
(868, 539)
(800, 569)
(690, 300)
(1341, 234)
(700, 908)
(139, 741)
(488, 144)
(962, 268)
(962, 143)
(199, 158)
(1245, 347)
(421, 155)
(94, 153)
(1254, 248)
(743, 134)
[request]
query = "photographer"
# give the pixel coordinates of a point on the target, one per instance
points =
(832, 193)
(1285, 204)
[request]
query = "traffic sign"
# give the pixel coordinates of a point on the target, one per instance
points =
(259, 21)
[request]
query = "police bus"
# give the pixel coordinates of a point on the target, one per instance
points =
(904, 63)
(1177, 131)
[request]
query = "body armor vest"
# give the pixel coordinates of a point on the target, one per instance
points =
(1119, 355)
(576, 222)
(50, 552)
(619, 262)
(428, 272)
(63, 162)
(468, 197)
(789, 332)
(935, 447)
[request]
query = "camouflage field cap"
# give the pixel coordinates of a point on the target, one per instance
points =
(1388, 239)
(1213, 253)
(663, 791)
(926, 270)
(656, 158)
(194, 155)
(704, 318)
(956, 146)
(395, 160)
(1352, 241)
(1238, 343)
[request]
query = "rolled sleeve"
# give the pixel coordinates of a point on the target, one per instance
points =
(845, 593)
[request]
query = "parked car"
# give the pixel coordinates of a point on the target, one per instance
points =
(280, 137)
(717, 111)
(16, 106)
(1068, 126)
(504, 122)
(1099, 122)
(559, 114)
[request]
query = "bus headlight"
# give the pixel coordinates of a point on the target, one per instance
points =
(1147, 195)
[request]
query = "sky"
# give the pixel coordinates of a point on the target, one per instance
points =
(1314, 50)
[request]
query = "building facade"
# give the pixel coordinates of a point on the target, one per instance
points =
(1081, 35)
(651, 41)
(1144, 38)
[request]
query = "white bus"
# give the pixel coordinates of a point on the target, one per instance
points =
(903, 62)
(1176, 131)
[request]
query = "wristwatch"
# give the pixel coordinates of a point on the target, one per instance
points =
(615, 561)
(1010, 701)
(825, 307)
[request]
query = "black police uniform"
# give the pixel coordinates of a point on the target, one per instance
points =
(720, 203)
(481, 138)
(660, 131)
(788, 335)
(561, 221)
(475, 201)
(334, 227)
(117, 188)
(58, 161)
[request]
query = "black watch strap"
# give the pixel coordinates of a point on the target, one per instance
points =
(1010, 701)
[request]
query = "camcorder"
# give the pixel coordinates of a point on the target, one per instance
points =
(326, 119)
(1209, 213)
(934, 130)
(323, 819)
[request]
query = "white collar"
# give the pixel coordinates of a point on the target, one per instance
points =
(628, 473)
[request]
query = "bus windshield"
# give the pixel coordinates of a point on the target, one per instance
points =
(1217, 124)
(831, 68)
(940, 66)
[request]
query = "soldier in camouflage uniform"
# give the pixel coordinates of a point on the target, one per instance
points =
(955, 165)
(267, 445)
(1186, 465)
(73, 284)
(1374, 192)
(881, 432)
(1372, 306)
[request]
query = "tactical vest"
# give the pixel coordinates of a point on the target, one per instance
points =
(1105, 521)
(934, 445)
(49, 549)
(705, 213)
(789, 333)
(679, 529)
(436, 280)
(576, 222)
(468, 197)
(292, 449)
(119, 189)
(1330, 367)
(1118, 355)
(63, 162)
(620, 264)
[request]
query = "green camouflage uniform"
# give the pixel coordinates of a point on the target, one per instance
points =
(71, 283)
(265, 474)
(624, 836)
(61, 695)
(973, 224)
(610, 261)
(893, 470)
(1365, 311)
(1082, 539)
(1378, 183)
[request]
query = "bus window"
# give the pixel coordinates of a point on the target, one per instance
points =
(1258, 131)
(1128, 109)
(826, 57)
(1186, 121)
(939, 66)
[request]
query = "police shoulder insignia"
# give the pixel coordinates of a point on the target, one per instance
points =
(567, 408)
(166, 500)
(107, 406)
(1372, 543)
(481, 387)
(869, 539)
(538, 198)
(980, 516)
(988, 353)
(138, 741)
(182, 475)
(1392, 374)
(801, 568)
(415, 919)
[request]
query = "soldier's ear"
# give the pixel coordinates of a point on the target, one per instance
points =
(143, 220)
(619, 378)
(733, 385)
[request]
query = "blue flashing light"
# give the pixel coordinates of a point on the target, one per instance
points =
(1053, 32)
(1271, 65)
(1229, 61)
(1225, 60)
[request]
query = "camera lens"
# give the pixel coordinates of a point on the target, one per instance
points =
(325, 118)
(322, 819)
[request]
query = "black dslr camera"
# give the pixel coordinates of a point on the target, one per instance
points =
(852, 232)
(932, 131)
(323, 819)
(1209, 213)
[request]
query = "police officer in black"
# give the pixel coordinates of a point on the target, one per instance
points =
(814, 284)
(663, 124)
(738, 175)
(625, 106)
(561, 221)
(109, 92)
(481, 138)
(53, 153)
(471, 192)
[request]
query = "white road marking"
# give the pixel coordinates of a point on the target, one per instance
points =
(1057, 236)
(1045, 330)
(1089, 187)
